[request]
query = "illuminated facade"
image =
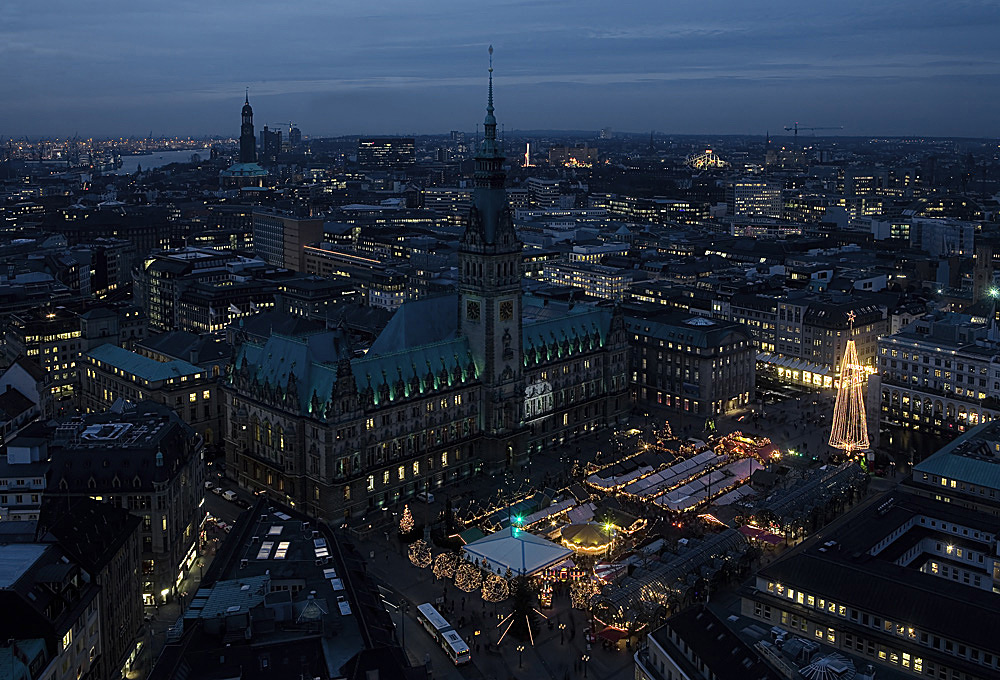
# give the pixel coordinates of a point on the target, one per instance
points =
(609, 283)
(387, 152)
(939, 375)
(753, 197)
(692, 364)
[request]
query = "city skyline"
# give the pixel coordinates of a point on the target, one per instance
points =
(721, 68)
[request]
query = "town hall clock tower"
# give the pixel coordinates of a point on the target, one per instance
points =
(489, 298)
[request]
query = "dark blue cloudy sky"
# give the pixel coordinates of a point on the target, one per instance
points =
(403, 66)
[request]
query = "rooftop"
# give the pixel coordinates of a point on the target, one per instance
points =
(854, 562)
(16, 559)
(973, 458)
(142, 367)
(728, 657)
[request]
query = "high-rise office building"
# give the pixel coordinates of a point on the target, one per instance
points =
(280, 238)
(753, 197)
(385, 152)
(270, 145)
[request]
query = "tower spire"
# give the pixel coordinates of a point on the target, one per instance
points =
(247, 100)
(489, 105)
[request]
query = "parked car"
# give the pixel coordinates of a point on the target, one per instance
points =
(425, 496)
(229, 495)
(240, 503)
(208, 484)
(217, 490)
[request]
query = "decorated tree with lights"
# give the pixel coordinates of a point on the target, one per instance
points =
(468, 577)
(582, 591)
(406, 522)
(495, 588)
(849, 431)
(444, 565)
(420, 554)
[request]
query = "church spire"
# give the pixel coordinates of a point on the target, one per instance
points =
(248, 142)
(489, 105)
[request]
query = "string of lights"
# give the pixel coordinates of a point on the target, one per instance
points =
(420, 554)
(849, 431)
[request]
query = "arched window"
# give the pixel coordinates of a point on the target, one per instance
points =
(281, 438)
(256, 429)
(267, 433)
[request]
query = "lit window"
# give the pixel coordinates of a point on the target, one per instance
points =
(402, 472)
(385, 477)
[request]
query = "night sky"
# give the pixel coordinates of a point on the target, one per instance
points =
(335, 67)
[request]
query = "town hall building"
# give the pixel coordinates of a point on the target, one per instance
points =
(471, 383)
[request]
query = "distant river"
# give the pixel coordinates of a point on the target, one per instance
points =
(154, 160)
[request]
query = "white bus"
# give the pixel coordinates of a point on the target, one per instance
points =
(455, 647)
(442, 631)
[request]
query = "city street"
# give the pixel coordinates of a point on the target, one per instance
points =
(556, 654)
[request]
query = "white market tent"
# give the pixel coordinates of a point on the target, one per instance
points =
(522, 552)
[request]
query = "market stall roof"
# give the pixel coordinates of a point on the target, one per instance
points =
(471, 535)
(761, 535)
(612, 634)
(522, 552)
(590, 535)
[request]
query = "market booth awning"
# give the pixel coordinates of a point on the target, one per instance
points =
(612, 634)
(522, 552)
(761, 535)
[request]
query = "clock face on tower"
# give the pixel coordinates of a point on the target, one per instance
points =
(506, 310)
(472, 310)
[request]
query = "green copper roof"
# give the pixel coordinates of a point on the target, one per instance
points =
(417, 323)
(142, 367)
(973, 458)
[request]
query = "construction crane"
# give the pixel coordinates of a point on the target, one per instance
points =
(796, 127)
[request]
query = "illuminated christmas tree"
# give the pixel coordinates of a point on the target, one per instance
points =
(850, 424)
(406, 521)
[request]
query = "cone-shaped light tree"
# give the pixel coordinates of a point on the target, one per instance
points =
(849, 431)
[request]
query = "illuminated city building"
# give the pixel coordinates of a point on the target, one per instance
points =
(146, 459)
(906, 582)
(385, 152)
(939, 375)
(691, 364)
(110, 373)
(280, 238)
(753, 197)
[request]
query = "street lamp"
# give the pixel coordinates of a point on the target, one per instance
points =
(520, 656)
(585, 658)
(562, 628)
